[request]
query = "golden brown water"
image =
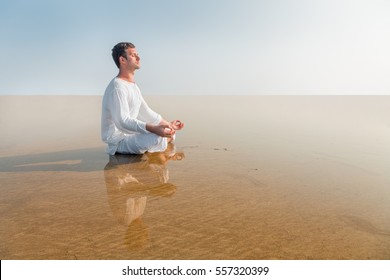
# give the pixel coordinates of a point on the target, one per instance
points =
(254, 177)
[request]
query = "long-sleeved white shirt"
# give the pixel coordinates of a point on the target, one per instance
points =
(124, 112)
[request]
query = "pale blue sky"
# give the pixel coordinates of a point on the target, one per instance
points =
(197, 47)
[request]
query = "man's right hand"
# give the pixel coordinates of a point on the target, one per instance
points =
(162, 130)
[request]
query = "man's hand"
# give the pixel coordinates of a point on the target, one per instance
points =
(177, 125)
(163, 130)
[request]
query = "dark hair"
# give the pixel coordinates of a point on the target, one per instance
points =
(120, 50)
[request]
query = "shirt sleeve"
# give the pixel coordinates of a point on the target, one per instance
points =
(121, 114)
(148, 115)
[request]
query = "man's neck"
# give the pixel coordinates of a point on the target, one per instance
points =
(127, 76)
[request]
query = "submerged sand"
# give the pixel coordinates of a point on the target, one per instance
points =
(252, 177)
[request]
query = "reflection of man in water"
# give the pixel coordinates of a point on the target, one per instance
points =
(133, 179)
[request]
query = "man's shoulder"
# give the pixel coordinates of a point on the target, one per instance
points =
(117, 85)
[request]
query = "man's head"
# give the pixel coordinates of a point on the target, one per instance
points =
(125, 52)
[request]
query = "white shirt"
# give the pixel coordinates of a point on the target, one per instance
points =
(124, 112)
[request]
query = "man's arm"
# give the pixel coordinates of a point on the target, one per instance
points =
(121, 114)
(163, 129)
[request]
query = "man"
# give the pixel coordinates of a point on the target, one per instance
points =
(128, 125)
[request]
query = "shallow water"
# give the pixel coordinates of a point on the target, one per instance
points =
(255, 177)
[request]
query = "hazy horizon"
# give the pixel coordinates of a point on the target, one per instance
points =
(197, 47)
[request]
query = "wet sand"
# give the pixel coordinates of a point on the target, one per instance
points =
(253, 177)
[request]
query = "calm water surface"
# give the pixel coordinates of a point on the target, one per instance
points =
(249, 178)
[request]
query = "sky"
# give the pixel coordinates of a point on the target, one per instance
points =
(197, 46)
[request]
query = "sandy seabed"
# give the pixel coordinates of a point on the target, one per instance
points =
(250, 177)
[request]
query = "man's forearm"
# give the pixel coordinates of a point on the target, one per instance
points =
(161, 129)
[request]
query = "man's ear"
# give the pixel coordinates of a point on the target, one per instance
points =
(122, 59)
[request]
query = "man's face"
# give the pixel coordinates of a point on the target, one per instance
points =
(133, 59)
